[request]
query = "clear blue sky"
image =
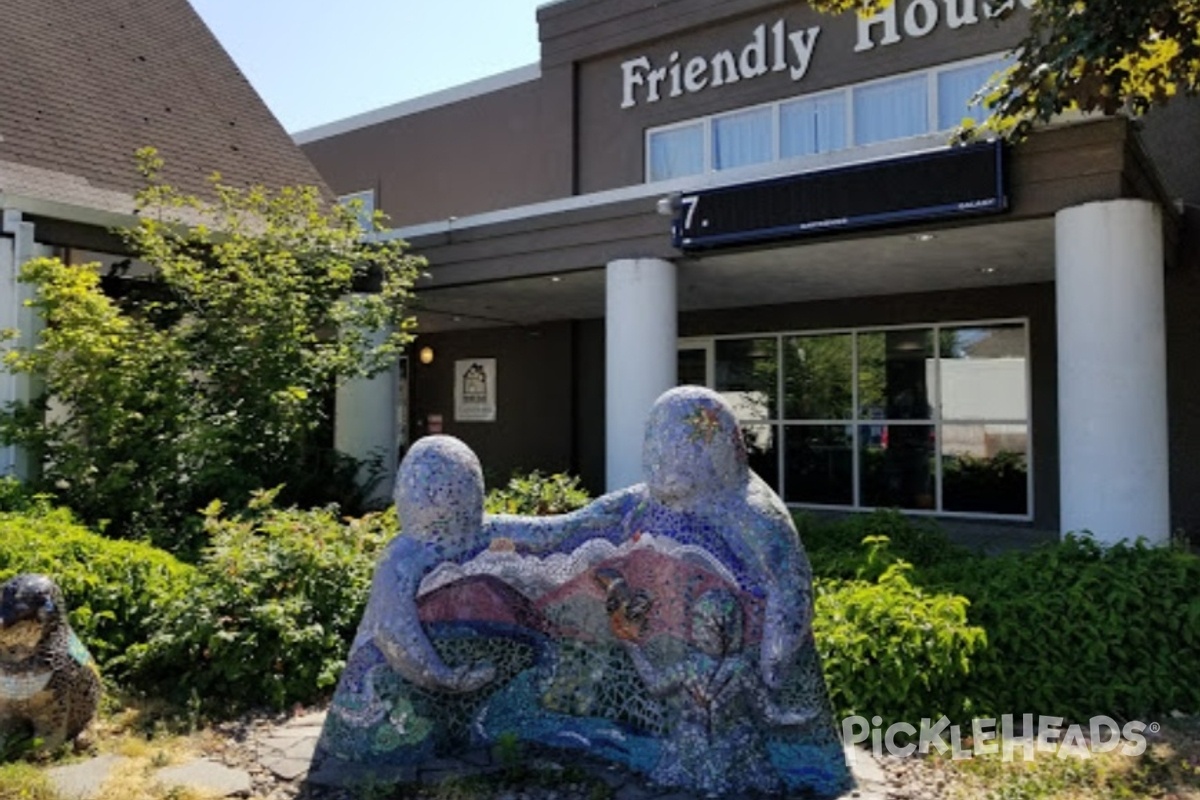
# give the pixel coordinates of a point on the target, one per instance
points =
(314, 61)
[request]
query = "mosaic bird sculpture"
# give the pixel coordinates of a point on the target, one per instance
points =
(49, 684)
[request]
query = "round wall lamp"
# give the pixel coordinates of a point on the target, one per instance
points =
(425, 355)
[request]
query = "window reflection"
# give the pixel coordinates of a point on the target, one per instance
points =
(763, 452)
(896, 466)
(933, 418)
(818, 377)
(984, 373)
(747, 376)
(819, 464)
(894, 374)
(984, 468)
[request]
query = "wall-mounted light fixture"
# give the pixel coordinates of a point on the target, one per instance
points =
(425, 355)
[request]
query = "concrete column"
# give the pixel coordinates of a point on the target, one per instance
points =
(640, 358)
(1112, 371)
(365, 423)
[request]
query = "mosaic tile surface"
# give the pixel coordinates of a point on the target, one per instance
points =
(665, 627)
(49, 683)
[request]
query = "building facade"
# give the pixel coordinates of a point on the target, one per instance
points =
(759, 198)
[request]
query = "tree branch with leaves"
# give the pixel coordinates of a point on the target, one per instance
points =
(1104, 56)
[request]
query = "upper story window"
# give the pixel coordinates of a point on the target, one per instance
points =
(870, 113)
(366, 206)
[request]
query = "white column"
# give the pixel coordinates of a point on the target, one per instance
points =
(365, 423)
(9, 305)
(1112, 371)
(640, 358)
(17, 247)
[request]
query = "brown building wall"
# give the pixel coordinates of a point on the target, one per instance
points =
(534, 368)
(506, 148)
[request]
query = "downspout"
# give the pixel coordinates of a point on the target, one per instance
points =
(12, 459)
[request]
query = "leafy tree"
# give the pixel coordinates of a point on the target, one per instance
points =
(1090, 55)
(212, 379)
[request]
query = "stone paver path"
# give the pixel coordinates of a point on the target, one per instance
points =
(269, 760)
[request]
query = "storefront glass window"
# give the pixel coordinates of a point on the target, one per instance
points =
(677, 152)
(819, 464)
(747, 376)
(818, 377)
(895, 372)
(891, 110)
(929, 419)
(762, 450)
(896, 464)
(985, 395)
(692, 366)
(985, 468)
(810, 126)
(740, 140)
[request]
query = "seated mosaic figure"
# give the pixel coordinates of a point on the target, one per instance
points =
(571, 631)
(49, 684)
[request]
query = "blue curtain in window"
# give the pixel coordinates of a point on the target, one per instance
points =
(742, 139)
(677, 152)
(956, 87)
(892, 110)
(812, 126)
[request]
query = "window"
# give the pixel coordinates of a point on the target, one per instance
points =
(740, 140)
(956, 88)
(930, 418)
(891, 110)
(811, 126)
(677, 152)
(366, 208)
(862, 115)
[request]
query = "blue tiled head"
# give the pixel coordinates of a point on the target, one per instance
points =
(693, 446)
(439, 489)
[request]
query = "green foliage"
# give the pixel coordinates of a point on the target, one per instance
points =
(835, 546)
(14, 496)
(211, 381)
(1076, 630)
(270, 618)
(1072, 629)
(536, 494)
(893, 649)
(112, 588)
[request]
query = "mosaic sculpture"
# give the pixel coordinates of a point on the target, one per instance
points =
(665, 627)
(49, 684)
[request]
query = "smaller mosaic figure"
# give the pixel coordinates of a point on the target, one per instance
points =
(720, 703)
(49, 684)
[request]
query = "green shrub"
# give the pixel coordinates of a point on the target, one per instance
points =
(835, 547)
(536, 494)
(1076, 630)
(112, 587)
(891, 648)
(269, 620)
(14, 496)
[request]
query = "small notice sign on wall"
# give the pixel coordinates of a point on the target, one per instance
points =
(475, 390)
